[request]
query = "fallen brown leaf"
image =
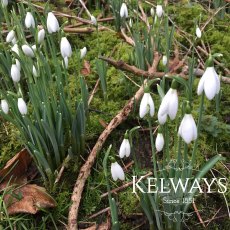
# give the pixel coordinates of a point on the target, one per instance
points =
(28, 198)
(86, 68)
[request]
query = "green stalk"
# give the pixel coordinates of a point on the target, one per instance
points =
(153, 149)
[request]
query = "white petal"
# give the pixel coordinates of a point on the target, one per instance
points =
(186, 129)
(27, 51)
(93, 20)
(22, 107)
(113, 172)
(151, 106)
(173, 104)
(66, 50)
(162, 118)
(200, 87)
(123, 11)
(159, 143)
(29, 20)
(15, 73)
(144, 109)
(52, 23)
(119, 171)
(164, 60)
(4, 106)
(164, 104)
(210, 86)
(41, 36)
(125, 148)
(194, 129)
(159, 11)
(198, 32)
(10, 36)
(83, 52)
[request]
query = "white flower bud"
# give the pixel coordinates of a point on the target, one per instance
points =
(34, 71)
(198, 32)
(159, 143)
(124, 11)
(52, 23)
(152, 12)
(146, 106)
(27, 51)
(15, 73)
(117, 172)
(164, 60)
(4, 2)
(41, 36)
(29, 21)
(10, 36)
(15, 49)
(125, 148)
(93, 20)
(4, 106)
(22, 107)
(83, 52)
(159, 11)
(65, 47)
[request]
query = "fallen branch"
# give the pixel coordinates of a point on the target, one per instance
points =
(86, 168)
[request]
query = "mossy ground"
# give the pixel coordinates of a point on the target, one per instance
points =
(215, 129)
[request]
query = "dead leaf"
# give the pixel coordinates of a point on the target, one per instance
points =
(28, 198)
(86, 68)
(16, 168)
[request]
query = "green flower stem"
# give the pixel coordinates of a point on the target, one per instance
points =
(153, 149)
(198, 130)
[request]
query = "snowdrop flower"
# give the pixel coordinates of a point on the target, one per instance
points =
(4, 2)
(159, 143)
(124, 11)
(146, 105)
(65, 47)
(27, 51)
(29, 21)
(198, 32)
(15, 49)
(93, 20)
(18, 64)
(52, 23)
(169, 105)
(41, 36)
(188, 129)
(164, 60)
(14, 41)
(83, 52)
(10, 36)
(159, 11)
(15, 73)
(66, 62)
(117, 172)
(34, 47)
(130, 23)
(152, 12)
(125, 148)
(22, 107)
(34, 71)
(4, 106)
(209, 83)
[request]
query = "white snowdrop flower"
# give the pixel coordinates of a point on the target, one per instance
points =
(22, 107)
(29, 21)
(4, 2)
(188, 129)
(83, 52)
(65, 47)
(15, 73)
(41, 36)
(66, 62)
(159, 143)
(4, 106)
(18, 64)
(209, 83)
(52, 23)
(125, 147)
(14, 41)
(146, 105)
(198, 32)
(164, 60)
(169, 105)
(10, 36)
(124, 11)
(159, 11)
(28, 51)
(34, 47)
(15, 49)
(93, 20)
(152, 12)
(130, 23)
(117, 172)
(34, 71)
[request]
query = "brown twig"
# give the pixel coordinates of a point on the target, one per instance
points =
(86, 168)
(99, 213)
(198, 214)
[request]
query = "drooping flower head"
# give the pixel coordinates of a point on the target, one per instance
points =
(29, 21)
(198, 32)
(22, 107)
(41, 36)
(117, 172)
(159, 143)
(83, 52)
(209, 82)
(65, 47)
(187, 129)
(169, 104)
(10, 36)
(125, 148)
(159, 11)
(52, 23)
(124, 11)
(4, 3)
(147, 104)
(28, 51)
(4, 106)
